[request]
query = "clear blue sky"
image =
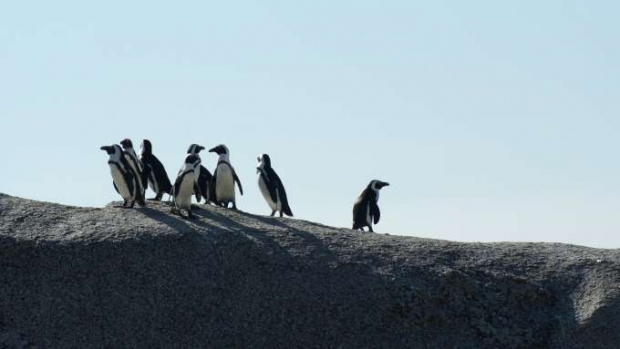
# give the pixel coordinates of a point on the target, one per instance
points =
(493, 121)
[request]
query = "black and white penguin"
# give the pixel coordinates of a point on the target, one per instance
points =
(224, 178)
(184, 185)
(203, 185)
(157, 176)
(122, 175)
(271, 187)
(137, 168)
(366, 210)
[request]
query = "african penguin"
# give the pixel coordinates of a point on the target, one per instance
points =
(137, 168)
(157, 175)
(122, 175)
(271, 187)
(224, 178)
(204, 179)
(184, 185)
(366, 210)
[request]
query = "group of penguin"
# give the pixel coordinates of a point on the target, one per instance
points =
(132, 175)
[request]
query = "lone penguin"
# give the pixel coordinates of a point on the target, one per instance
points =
(271, 187)
(137, 168)
(184, 185)
(157, 176)
(203, 183)
(366, 210)
(122, 176)
(224, 178)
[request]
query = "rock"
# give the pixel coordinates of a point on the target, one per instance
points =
(141, 278)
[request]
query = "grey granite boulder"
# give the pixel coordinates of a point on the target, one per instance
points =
(142, 278)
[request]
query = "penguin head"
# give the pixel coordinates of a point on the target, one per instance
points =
(113, 150)
(126, 143)
(146, 146)
(263, 162)
(220, 150)
(377, 184)
(193, 160)
(195, 149)
(108, 149)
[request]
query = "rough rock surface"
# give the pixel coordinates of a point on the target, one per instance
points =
(114, 278)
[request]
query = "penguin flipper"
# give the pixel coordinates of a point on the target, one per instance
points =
(197, 192)
(281, 194)
(236, 178)
(132, 183)
(375, 212)
(212, 186)
(115, 187)
(204, 183)
(177, 186)
(272, 186)
(145, 176)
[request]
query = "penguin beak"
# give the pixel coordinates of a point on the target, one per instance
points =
(200, 148)
(214, 150)
(384, 184)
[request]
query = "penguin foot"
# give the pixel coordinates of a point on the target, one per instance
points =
(281, 214)
(273, 213)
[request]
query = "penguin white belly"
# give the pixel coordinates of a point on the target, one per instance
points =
(225, 184)
(275, 206)
(183, 198)
(121, 185)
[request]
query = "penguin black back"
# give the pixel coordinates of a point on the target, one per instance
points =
(157, 175)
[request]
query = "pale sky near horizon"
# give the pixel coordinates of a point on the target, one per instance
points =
(493, 121)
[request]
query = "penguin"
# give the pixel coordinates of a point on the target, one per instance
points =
(184, 185)
(157, 176)
(137, 168)
(122, 175)
(224, 178)
(204, 179)
(366, 210)
(271, 187)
